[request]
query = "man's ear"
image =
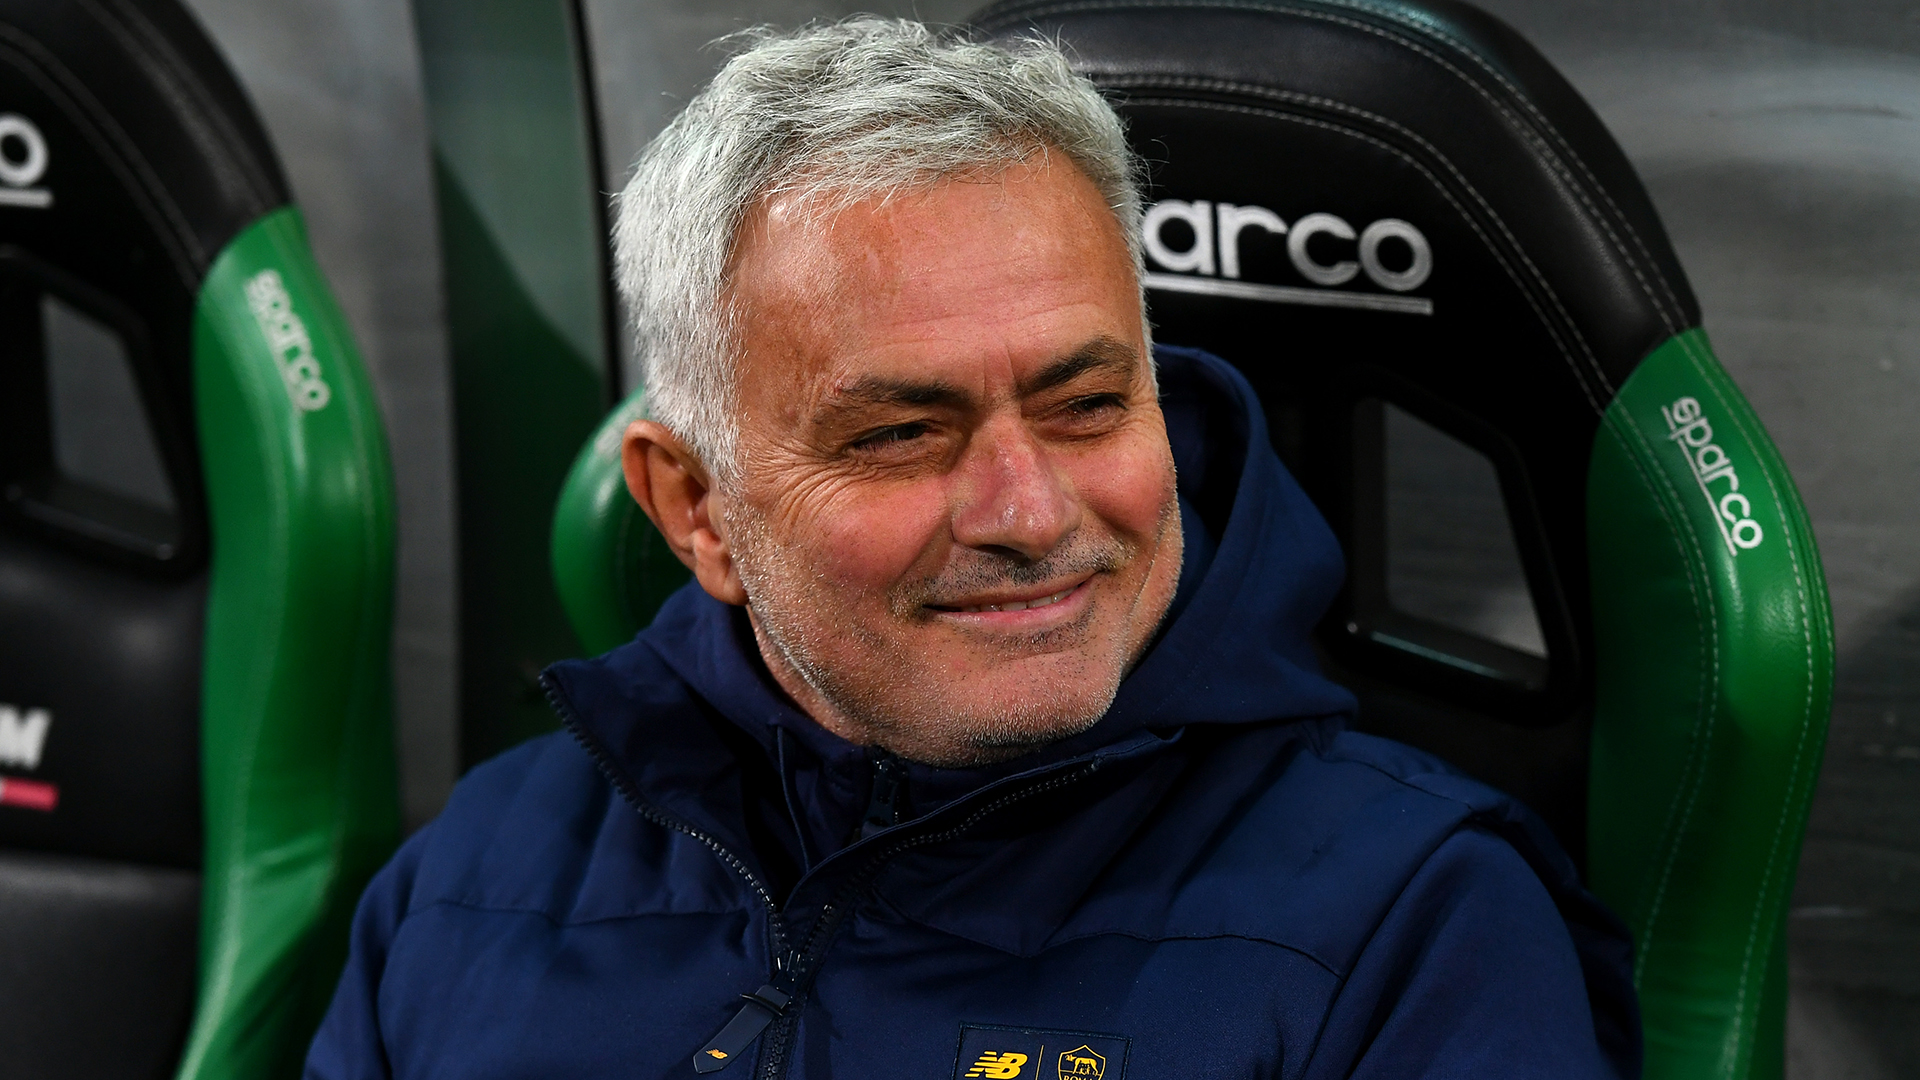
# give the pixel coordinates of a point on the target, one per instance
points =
(673, 487)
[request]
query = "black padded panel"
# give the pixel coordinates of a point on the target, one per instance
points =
(96, 968)
(121, 692)
(145, 116)
(129, 159)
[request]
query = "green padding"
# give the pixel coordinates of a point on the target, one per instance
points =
(297, 751)
(1715, 667)
(612, 568)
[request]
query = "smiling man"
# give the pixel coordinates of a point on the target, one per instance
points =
(988, 741)
(960, 475)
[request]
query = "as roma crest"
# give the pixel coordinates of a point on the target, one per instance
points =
(1082, 1063)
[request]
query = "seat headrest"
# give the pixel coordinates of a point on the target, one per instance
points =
(142, 148)
(1417, 158)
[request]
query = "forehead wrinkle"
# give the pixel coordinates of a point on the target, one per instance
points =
(876, 249)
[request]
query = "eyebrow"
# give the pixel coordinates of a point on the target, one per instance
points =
(874, 390)
(1102, 353)
(1098, 354)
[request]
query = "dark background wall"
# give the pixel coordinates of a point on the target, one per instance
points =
(1780, 140)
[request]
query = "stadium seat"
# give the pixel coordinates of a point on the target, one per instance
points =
(1423, 248)
(196, 539)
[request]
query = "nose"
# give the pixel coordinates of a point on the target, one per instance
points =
(1010, 496)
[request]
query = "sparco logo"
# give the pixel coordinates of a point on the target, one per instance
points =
(1217, 229)
(22, 734)
(287, 334)
(1689, 429)
(23, 161)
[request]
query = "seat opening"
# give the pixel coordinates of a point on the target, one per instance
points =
(1451, 555)
(82, 459)
(1437, 575)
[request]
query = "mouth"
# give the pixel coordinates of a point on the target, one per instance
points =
(1020, 605)
(1011, 604)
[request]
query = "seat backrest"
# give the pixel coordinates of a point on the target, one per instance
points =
(1420, 244)
(195, 562)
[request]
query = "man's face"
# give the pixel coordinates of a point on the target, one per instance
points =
(954, 510)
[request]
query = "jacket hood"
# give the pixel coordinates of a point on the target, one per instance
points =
(1239, 649)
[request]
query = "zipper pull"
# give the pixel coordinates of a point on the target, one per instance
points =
(883, 808)
(762, 1006)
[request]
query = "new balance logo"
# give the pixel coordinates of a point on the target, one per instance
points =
(22, 735)
(997, 1066)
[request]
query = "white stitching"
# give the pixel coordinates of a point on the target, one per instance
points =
(1686, 790)
(1526, 103)
(1672, 321)
(1755, 929)
(1573, 366)
(1605, 384)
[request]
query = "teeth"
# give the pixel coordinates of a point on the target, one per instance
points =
(1021, 605)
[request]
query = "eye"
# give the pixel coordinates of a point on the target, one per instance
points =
(890, 435)
(1086, 416)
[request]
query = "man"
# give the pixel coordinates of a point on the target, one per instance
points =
(989, 741)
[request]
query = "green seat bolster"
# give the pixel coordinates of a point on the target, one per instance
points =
(1714, 672)
(298, 774)
(611, 567)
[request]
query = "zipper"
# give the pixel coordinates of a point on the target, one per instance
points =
(772, 1004)
(883, 806)
(762, 1006)
(632, 798)
(624, 786)
(820, 936)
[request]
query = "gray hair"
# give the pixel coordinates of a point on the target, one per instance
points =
(831, 115)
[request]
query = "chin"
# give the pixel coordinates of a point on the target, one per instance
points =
(1022, 704)
(1008, 729)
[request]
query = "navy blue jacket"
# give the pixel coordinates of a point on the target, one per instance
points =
(1217, 880)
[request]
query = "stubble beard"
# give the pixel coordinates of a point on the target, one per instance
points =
(880, 702)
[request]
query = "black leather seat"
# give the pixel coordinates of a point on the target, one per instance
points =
(179, 840)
